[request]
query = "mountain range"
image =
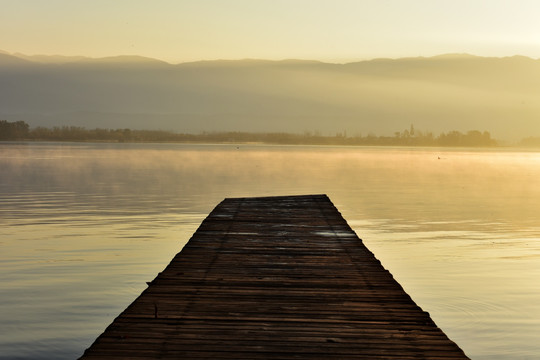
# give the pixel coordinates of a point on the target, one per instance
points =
(381, 96)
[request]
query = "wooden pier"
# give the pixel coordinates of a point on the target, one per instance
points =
(274, 278)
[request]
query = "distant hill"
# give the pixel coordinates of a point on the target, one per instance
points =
(121, 60)
(50, 59)
(10, 60)
(380, 96)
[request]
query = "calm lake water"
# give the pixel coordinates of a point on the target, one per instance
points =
(84, 226)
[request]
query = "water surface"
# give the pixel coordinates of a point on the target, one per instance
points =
(84, 226)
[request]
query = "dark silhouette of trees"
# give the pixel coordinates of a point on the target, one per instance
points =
(19, 130)
(471, 138)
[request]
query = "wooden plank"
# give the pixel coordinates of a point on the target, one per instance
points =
(274, 278)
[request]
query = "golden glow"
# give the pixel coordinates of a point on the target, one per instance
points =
(340, 31)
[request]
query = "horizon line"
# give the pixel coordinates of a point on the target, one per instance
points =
(82, 58)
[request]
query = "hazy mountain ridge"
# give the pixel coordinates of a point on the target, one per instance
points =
(442, 93)
(49, 59)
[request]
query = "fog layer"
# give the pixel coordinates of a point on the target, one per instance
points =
(443, 93)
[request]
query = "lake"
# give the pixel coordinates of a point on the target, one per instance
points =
(84, 226)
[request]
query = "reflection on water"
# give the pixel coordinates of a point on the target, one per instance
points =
(84, 226)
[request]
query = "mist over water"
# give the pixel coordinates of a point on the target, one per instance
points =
(84, 226)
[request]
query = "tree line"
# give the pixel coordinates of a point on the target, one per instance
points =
(19, 130)
(14, 130)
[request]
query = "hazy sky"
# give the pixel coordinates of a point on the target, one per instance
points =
(328, 30)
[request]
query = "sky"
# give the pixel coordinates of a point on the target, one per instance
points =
(334, 31)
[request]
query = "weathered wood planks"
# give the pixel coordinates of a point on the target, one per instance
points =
(274, 278)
